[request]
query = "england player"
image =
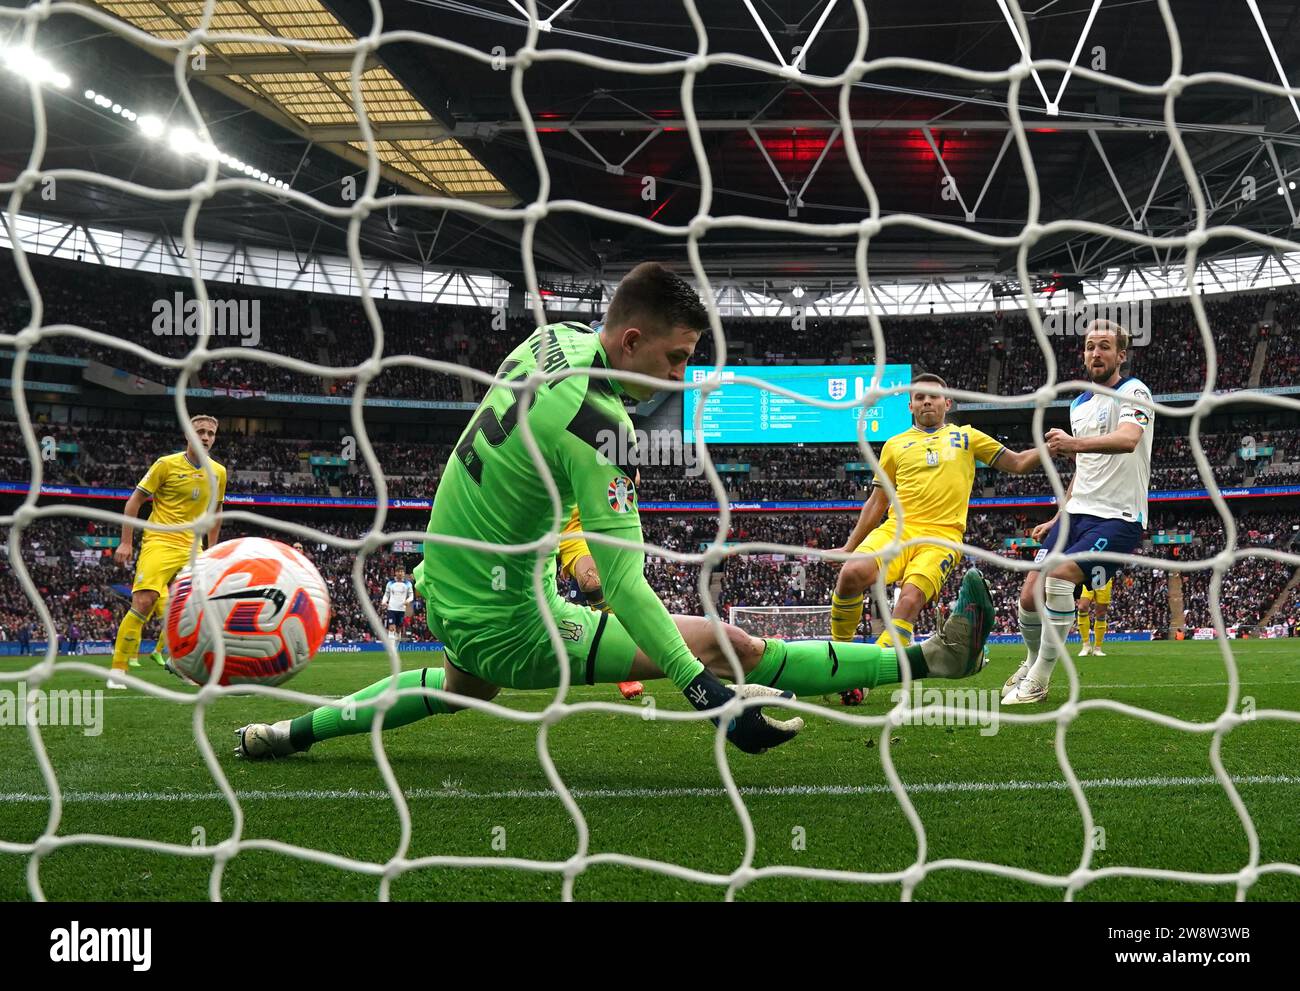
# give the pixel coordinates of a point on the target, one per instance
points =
(399, 594)
(932, 468)
(179, 488)
(1106, 505)
(481, 603)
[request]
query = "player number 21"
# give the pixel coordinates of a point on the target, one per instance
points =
(957, 439)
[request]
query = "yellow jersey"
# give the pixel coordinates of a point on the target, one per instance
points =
(180, 494)
(933, 471)
(574, 524)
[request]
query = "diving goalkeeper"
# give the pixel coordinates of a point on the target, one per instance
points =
(481, 604)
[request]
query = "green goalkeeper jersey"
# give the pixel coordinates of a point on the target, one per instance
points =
(491, 491)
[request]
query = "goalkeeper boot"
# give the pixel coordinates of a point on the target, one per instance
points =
(631, 689)
(265, 741)
(957, 650)
(854, 696)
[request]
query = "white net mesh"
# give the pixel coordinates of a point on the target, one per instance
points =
(26, 23)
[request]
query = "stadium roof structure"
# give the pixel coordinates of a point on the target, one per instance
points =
(308, 93)
(936, 146)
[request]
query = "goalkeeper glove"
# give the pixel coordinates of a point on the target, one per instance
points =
(751, 731)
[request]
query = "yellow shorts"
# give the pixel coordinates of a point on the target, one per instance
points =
(926, 566)
(1101, 596)
(159, 563)
(571, 552)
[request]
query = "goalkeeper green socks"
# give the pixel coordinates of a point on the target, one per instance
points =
(352, 716)
(815, 667)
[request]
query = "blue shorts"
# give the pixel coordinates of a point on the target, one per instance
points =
(1092, 533)
(396, 617)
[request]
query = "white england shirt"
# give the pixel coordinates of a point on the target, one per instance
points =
(1112, 486)
(398, 594)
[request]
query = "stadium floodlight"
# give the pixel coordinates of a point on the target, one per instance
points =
(25, 62)
(90, 94)
(150, 126)
(61, 79)
(183, 141)
(117, 108)
(797, 292)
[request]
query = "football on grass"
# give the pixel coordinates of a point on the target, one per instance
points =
(266, 602)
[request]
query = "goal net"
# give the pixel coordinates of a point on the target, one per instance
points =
(201, 25)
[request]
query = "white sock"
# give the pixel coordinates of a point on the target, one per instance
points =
(1061, 614)
(1031, 628)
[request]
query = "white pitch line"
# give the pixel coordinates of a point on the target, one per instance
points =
(1189, 684)
(420, 794)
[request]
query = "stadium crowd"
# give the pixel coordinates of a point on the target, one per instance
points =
(84, 587)
(334, 331)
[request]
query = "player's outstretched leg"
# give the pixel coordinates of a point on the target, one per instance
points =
(266, 741)
(818, 666)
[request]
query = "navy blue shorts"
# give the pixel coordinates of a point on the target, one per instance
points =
(396, 617)
(1092, 533)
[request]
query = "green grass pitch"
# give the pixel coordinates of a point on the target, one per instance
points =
(650, 789)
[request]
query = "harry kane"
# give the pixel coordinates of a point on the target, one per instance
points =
(1106, 505)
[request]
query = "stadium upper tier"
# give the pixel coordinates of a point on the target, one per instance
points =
(979, 353)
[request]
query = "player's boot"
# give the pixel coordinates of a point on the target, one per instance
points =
(957, 650)
(1010, 684)
(167, 666)
(265, 741)
(1027, 692)
(159, 658)
(1086, 650)
(114, 681)
(134, 662)
(1098, 652)
(854, 696)
(631, 689)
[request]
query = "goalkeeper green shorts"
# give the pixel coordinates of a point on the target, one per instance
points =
(518, 653)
